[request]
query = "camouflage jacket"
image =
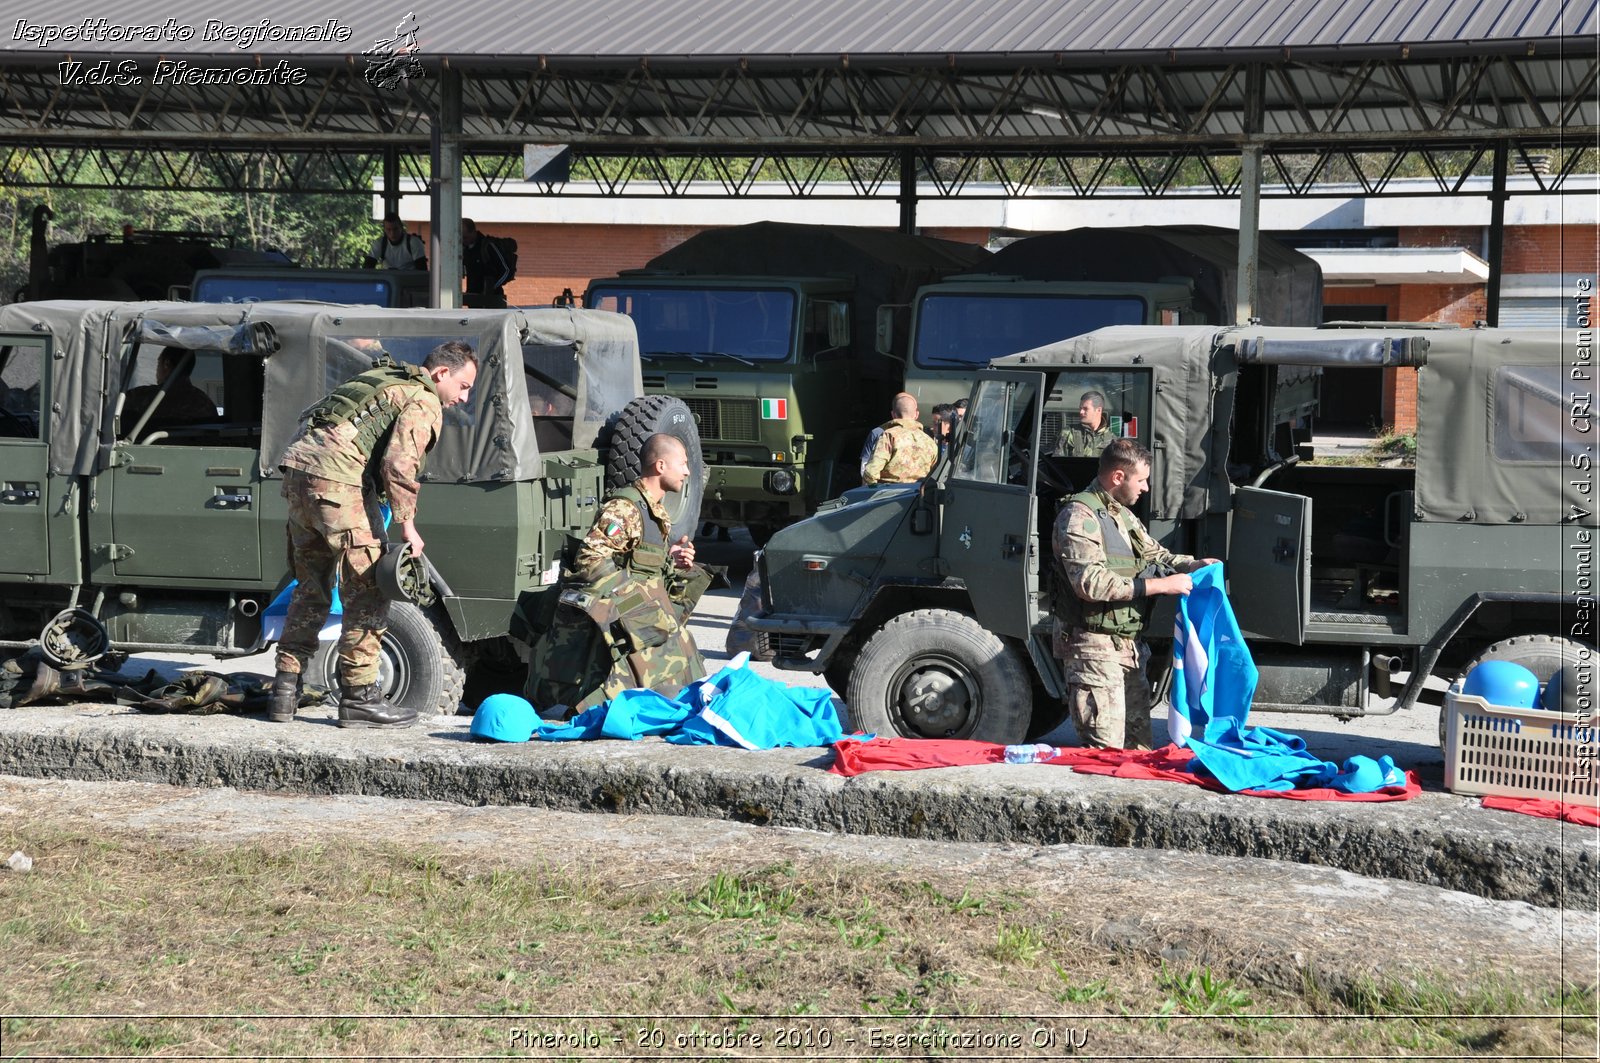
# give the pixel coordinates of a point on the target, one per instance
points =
(1080, 552)
(617, 531)
(904, 454)
(1079, 442)
(332, 454)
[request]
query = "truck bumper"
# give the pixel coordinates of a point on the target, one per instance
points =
(746, 494)
(801, 644)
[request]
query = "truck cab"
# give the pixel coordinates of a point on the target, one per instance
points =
(769, 332)
(356, 287)
(929, 605)
(961, 325)
(765, 366)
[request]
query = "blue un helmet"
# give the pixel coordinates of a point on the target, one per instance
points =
(1571, 690)
(504, 718)
(1503, 683)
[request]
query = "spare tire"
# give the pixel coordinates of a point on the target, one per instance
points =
(641, 419)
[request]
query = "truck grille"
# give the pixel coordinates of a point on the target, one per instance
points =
(724, 419)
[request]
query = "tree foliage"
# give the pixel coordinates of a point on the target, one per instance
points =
(316, 230)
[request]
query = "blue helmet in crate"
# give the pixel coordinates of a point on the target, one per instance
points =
(1503, 683)
(1571, 690)
(504, 718)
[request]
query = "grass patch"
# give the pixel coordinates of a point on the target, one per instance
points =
(376, 942)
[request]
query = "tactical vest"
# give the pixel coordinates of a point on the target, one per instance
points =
(362, 401)
(1106, 618)
(649, 557)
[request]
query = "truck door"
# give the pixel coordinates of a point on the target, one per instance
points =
(1269, 563)
(185, 494)
(24, 456)
(988, 531)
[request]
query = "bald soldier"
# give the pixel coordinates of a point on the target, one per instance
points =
(620, 610)
(364, 442)
(904, 452)
(1109, 569)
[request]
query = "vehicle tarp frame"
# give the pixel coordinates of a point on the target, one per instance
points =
(587, 355)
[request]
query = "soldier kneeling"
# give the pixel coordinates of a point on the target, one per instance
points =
(616, 620)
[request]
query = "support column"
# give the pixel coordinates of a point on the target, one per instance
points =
(444, 194)
(1247, 290)
(391, 180)
(908, 191)
(1497, 234)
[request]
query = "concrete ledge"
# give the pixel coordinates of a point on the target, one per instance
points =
(1439, 839)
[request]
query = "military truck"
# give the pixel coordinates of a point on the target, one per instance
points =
(768, 333)
(169, 534)
(1053, 286)
(928, 604)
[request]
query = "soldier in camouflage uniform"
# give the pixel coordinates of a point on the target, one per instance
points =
(617, 619)
(904, 452)
(1091, 434)
(1108, 569)
(366, 439)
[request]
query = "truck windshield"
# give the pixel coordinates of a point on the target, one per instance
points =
(968, 329)
(248, 289)
(706, 324)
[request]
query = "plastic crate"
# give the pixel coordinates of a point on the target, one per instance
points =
(1508, 752)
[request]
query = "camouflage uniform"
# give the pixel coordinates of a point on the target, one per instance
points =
(1078, 442)
(904, 454)
(616, 620)
(1100, 604)
(334, 530)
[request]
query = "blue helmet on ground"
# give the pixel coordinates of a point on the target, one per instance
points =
(1503, 683)
(1571, 690)
(504, 718)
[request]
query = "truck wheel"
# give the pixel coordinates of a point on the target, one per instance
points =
(1539, 654)
(641, 419)
(419, 668)
(934, 673)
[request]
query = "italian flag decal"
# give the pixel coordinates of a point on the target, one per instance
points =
(774, 409)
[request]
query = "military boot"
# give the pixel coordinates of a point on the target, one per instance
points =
(285, 697)
(364, 706)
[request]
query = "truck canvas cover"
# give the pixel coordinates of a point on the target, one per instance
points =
(320, 346)
(1497, 432)
(1290, 283)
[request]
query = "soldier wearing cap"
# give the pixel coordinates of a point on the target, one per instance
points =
(367, 438)
(1109, 568)
(617, 618)
(904, 453)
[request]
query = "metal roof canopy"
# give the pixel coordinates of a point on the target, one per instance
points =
(660, 93)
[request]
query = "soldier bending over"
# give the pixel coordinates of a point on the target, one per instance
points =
(377, 429)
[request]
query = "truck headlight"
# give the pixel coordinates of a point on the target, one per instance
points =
(780, 482)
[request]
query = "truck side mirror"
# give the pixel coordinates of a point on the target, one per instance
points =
(884, 340)
(838, 324)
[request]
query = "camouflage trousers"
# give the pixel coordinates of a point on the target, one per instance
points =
(331, 540)
(1108, 695)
